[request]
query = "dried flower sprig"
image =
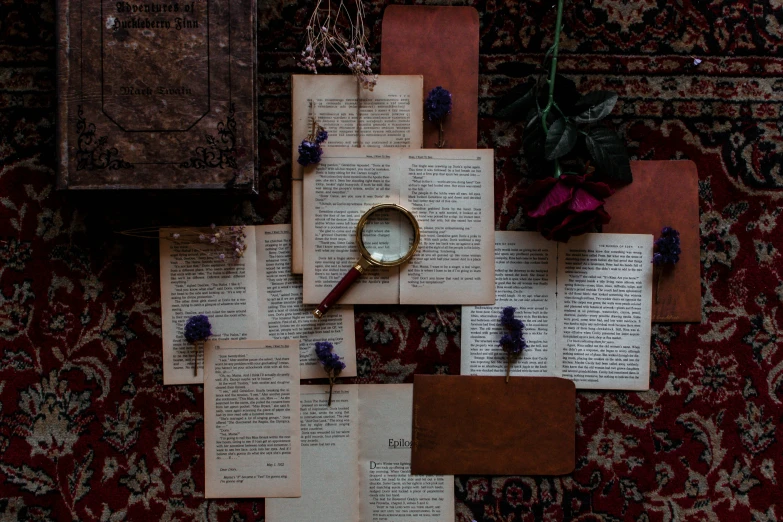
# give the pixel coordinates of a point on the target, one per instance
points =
(330, 361)
(437, 106)
(334, 29)
(197, 330)
(668, 247)
(221, 242)
(512, 343)
(310, 149)
(667, 254)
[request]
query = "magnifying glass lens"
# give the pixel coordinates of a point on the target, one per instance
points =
(388, 235)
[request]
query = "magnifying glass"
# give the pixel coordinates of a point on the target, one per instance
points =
(387, 235)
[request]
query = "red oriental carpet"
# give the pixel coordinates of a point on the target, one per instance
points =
(88, 432)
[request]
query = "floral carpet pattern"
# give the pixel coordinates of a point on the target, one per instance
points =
(88, 432)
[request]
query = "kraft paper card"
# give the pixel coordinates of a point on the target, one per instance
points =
(441, 43)
(483, 425)
(665, 193)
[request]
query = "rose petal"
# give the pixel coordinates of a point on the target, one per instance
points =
(559, 195)
(583, 201)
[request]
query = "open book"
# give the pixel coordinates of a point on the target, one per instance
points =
(388, 116)
(585, 305)
(254, 298)
(451, 194)
(356, 458)
(252, 437)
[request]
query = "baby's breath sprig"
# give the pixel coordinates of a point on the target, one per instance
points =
(225, 243)
(334, 29)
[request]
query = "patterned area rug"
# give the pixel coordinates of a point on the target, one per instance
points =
(88, 431)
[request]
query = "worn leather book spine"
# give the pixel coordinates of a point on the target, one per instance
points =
(156, 94)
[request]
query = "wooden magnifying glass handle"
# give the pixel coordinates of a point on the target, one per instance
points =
(338, 291)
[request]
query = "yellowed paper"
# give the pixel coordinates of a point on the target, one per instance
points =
(586, 306)
(450, 192)
(388, 490)
(604, 304)
(390, 116)
(251, 419)
(282, 314)
(194, 281)
(346, 183)
(330, 453)
(526, 278)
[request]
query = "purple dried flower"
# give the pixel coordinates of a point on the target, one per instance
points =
(512, 342)
(322, 136)
(438, 104)
(309, 153)
(668, 247)
(197, 328)
(329, 360)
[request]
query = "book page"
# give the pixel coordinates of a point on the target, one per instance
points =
(388, 116)
(282, 314)
(345, 184)
(330, 452)
(604, 302)
(389, 493)
(525, 278)
(451, 192)
(251, 419)
(194, 281)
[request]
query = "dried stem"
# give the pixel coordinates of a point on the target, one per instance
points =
(331, 385)
(508, 365)
(195, 358)
(441, 142)
(334, 29)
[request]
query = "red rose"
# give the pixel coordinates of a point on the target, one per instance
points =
(567, 206)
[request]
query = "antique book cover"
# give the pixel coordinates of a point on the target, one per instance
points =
(665, 194)
(487, 426)
(156, 95)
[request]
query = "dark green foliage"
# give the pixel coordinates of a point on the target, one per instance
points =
(572, 129)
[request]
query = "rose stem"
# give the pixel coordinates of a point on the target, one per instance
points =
(552, 76)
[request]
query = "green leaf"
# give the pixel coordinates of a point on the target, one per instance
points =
(516, 103)
(610, 156)
(560, 139)
(595, 106)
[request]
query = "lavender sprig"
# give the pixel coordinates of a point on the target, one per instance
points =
(513, 343)
(668, 247)
(437, 106)
(331, 362)
(667, 254)
(310, 149)
(197, 330)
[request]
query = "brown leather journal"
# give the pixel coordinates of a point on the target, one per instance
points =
(665, 193)
(467, 424)
(442, 44)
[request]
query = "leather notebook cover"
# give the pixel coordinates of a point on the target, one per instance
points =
(467, 424)
(665, 193)
(442, 44)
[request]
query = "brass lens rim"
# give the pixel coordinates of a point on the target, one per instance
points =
(363, 222)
